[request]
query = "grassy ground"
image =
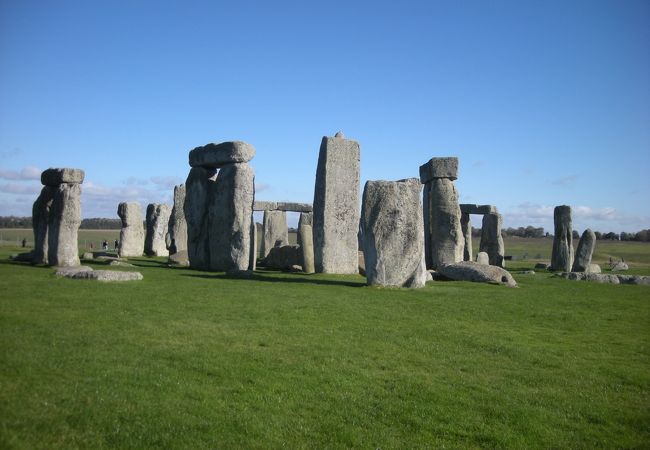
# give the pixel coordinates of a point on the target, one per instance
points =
(186, 359)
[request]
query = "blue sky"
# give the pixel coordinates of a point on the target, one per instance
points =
(544, 102)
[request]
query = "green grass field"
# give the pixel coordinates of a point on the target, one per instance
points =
(187, 359)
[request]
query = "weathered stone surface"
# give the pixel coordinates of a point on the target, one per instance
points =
(157, 223)
(445, 167)
(132, 231)
(306, 218)
(86, 273)
(179, 259)
(594, 268)
(63, 226)
(252, 257)
(336, 206)
(491, 239)
(362, 263)
(467, 208)
(466, 226)
(212, 156)
(426, 215)
(176, 237)
(585, 250)
(471, 271)
(120, 264)
(23, 257)
(305, 236)
(229, 218)
(54, 177)
(198, 191)
(295, 207)
(275, 230)
(88, 255)
(40, 220)
(283, 257)
(261, 205)
(634, 279)
(392, 233)
(446, 234)
(595, 277)
(620, 266)
(482, 258)
(562, 256)
(71, 270)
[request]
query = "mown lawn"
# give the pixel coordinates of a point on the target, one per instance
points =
(186, 359)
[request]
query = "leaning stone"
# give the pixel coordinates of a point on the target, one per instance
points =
(467, 208)
(275, 230)
(229, 218)
(213, 156)
(562, 256)
(260, 205)
(447, 242)
(619, 267)
(491, 239)
(40, 219)
(132, 232)
(585, 251)
(157, 223)
(176, 237)
(54, 177)
(336, 207)
(446, 167)
(199, 188)
(283, 257)
(393, 239)
(471, 271)
(63, 226)
(482, 258)
(295, 207)
(306, 236)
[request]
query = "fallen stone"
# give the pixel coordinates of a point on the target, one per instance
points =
(212, 156)
(562, 256)
(120, 264)
(585, 251)
(446, 167)
(392, 235)
(467, 208)
(482, 258)
(634, 279)
(132, 232)
(54, 177)
(69, 271)
(105, 275)
(471, 271)
(595, 277)
(619, 267)
(295, 207)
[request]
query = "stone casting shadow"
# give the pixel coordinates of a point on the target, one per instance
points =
(304, 278)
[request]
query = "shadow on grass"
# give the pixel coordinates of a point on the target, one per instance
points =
(290, 278)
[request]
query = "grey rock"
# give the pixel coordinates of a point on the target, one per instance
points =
(283, 257)
(585, 251)
(306, 238)
(426, 215)
(336, 207)
(392, 233)
(157, 223)
(466, 227)
(229, 218)
(295, 207)
(54, 177)
(120, 264)
(562, 256)
(71, 270)
(88, 255)
(260, 205)
(101, 275)
(446, 167)
(634, 279)
(483, 258)
(544, 266)
(252, 257)
(63, 226)
(176, 238)
(491, 239)
(40, 220)
(429, 276)
(306, 218)
(467, 208)
(619, 267)
(212, 156)
(446, 234)
(340, 135)
(471, 271)
(362, 263)
(595, 277)
(132, 232)
(594, 268)
(275, 230)
(199, 188)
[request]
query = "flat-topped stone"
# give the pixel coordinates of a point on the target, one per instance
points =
(212, 156)
(261, 205)
(467, 208)
(56, 176)
(295, 207)
(471, 271)
(439, 167)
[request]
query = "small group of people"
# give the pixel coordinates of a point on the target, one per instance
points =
(105, 244)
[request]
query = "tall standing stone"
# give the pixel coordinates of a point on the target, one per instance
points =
(275, 229)
(157, 222)
(585, 251)
(198, 192)
(306, 218)
(176, 239)
(306, 237)
(443, 224)
(63, 226)
(466, 226)
(392, 233)
(562, 256)
(336, 206)
(132, 231)
(229, 220)
(40, 217)
(252, 258)
(491, 239)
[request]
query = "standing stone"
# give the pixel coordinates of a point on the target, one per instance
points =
(336, 206)
(483, 258)
(491, 239)
(426, 213)
(306, 238)
(198, 192)
(252, 258)
(176, 238)
(585, 251)
(393, 237)
(40, 217)
(306, 218)
(275, 229)
(229, 218)
(157, 223)
(132, 232)
(447, 244)
(63, 226)
(562, 256)
(466, 226)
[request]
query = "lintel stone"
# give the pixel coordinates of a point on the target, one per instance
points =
(439, 167)
(468, 208)
(212, 156)
(56, 176)
(260, 205)
(295, 207)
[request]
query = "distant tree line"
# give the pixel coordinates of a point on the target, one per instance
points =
(87, 224)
